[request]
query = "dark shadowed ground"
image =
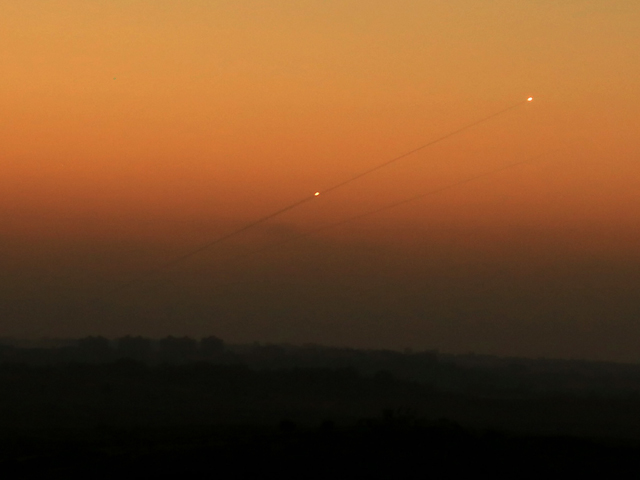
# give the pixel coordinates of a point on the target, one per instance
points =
(176, 406)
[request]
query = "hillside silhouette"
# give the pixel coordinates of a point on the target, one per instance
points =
(95, 405)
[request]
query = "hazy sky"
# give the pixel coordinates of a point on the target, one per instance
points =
(135, 131)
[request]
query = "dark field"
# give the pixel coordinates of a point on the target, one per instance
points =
(311, 412)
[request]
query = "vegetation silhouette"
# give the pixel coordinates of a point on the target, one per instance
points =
(177, 405)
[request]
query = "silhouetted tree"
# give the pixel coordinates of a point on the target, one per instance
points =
(173, 349)
(266, 356)
(94, 349)
(211, 346)
(137, 348)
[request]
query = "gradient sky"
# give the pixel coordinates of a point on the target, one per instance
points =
(135, 131)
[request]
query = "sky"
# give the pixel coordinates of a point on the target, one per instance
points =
(134, 132)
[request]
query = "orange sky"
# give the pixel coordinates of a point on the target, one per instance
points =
(167, 123)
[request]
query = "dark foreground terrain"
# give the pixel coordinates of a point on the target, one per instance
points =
(383, 450)
(314, 414)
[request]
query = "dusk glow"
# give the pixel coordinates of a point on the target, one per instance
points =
(135, 133)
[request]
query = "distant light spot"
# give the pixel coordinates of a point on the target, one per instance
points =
(530, 99)
(317, 193)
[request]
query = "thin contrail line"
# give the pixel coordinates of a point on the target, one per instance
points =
(189, 254)
(181, 258)
(432, 192)
(422, 147)
(236, 232)
(335, 224)
(208, 245)
(330, 189)
(397, 204)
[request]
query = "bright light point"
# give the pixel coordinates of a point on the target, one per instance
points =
(530, 99)
(317, 193)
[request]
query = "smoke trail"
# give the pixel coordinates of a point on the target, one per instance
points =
(179, 259)
(324, 227)
(422, 147)
(399, 203)
(328, 190)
